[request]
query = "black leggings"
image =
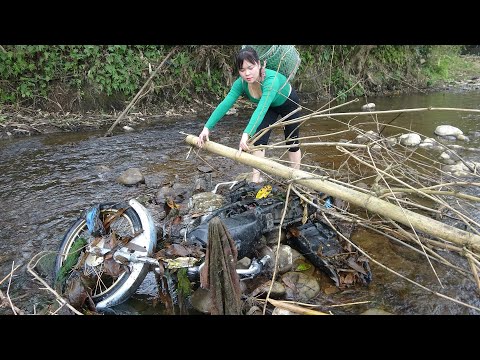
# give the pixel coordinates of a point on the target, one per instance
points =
(290, 131)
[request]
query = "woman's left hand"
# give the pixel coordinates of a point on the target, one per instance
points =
(243, 143)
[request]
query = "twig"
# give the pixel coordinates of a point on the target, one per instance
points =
(4, 299)
(9, 274)
(59, 308)
(419, 192)
(385, 192)
(302, 119)
(398, 111)
(474, 270)
(473, 256)
(59, 298)
(273, 146)
(433, 255)
(361, 222)
(350, 304)
(400, 275)
(294, 308)
(278, 247)
(15, 309)
(380, 174)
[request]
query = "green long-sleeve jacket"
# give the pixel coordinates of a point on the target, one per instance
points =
(274, 93)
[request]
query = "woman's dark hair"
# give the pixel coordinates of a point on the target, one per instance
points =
(247, 53)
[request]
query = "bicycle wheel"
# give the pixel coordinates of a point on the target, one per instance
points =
(108, 290)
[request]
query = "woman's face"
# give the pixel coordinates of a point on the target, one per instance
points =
(249, 72)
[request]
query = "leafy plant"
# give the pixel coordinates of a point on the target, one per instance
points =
(38, 74)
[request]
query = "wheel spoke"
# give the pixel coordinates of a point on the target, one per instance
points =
(101, 276)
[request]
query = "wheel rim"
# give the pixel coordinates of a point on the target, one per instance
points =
(93, 266)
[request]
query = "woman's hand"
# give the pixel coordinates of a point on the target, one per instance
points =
(243, 143)
(202, 137)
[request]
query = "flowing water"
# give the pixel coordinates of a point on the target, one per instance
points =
(47, 180)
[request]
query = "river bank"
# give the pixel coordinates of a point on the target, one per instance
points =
(18, 121)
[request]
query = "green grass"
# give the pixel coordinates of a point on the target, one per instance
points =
(447, 66)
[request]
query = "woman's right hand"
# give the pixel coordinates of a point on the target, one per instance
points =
(203, 137)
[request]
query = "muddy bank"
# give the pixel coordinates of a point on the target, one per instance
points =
(29, 122)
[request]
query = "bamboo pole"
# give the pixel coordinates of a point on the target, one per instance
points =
(367, 201)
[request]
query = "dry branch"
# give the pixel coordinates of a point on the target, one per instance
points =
(134, 100)
(400, 275)
(367, 201)
(30, 268)
(6, 299)
(9, 274)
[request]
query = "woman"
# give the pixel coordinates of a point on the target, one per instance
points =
(274, 97)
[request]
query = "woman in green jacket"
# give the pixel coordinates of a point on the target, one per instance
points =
(274, 97)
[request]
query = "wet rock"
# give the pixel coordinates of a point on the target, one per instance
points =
(181, 192)
(205, 169)
(300, 287)
(391, 141)
(369, 106)
(278, 290)
(296, 255)
(474, 134)
(200, 300)
(244, 263)
(460, 169)
(410, 139)
(203, 183)
(304, 266)
(448, 138)
(285, 257)
(448, 130)
(448, 161)
(444, 156)
(367, 137)
(452, 167)
(280, 311)
(132, 176)
(165, 192)
(176, 193)
(429, 143)
(205, 202)
(375, 311)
